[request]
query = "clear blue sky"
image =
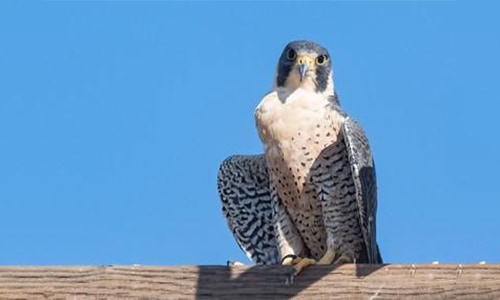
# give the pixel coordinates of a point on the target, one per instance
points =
(114, 117)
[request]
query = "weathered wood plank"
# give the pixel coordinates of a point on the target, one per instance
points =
(443, 281)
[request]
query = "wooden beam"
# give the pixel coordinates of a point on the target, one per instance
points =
(441, 281)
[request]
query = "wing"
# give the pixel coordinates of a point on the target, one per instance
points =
(363, 172)
(244, 190)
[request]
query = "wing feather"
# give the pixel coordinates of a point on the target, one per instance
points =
(363, 172)
(243, 185)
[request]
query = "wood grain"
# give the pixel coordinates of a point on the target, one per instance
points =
(442, 281)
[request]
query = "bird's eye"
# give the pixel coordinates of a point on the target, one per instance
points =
(291, 54)
(321, 59)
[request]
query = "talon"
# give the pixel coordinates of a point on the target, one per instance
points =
(289, 278)
(301, 263)
(298, 263)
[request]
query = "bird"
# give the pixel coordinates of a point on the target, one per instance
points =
(311, 197)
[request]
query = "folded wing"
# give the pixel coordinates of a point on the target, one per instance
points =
(243, 185)
(363, 172)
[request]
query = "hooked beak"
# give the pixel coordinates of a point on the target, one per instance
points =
(302, 68)
(304, 63)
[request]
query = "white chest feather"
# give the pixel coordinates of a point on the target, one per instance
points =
(301, 115)
(294, 131)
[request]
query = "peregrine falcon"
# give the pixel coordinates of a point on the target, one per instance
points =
(311, 198)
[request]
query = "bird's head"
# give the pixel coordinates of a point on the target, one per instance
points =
(306, 65)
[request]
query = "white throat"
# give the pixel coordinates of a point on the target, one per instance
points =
(294, 84)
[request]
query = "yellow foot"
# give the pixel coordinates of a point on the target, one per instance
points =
(301, 263)
(327, 257)
(344, 259)
(298, 263)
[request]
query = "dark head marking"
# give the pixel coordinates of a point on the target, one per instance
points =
(287, 62)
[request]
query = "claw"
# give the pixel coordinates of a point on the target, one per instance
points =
(300, 263)
(289, 278)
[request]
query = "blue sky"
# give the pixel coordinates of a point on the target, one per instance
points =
(114, 117)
